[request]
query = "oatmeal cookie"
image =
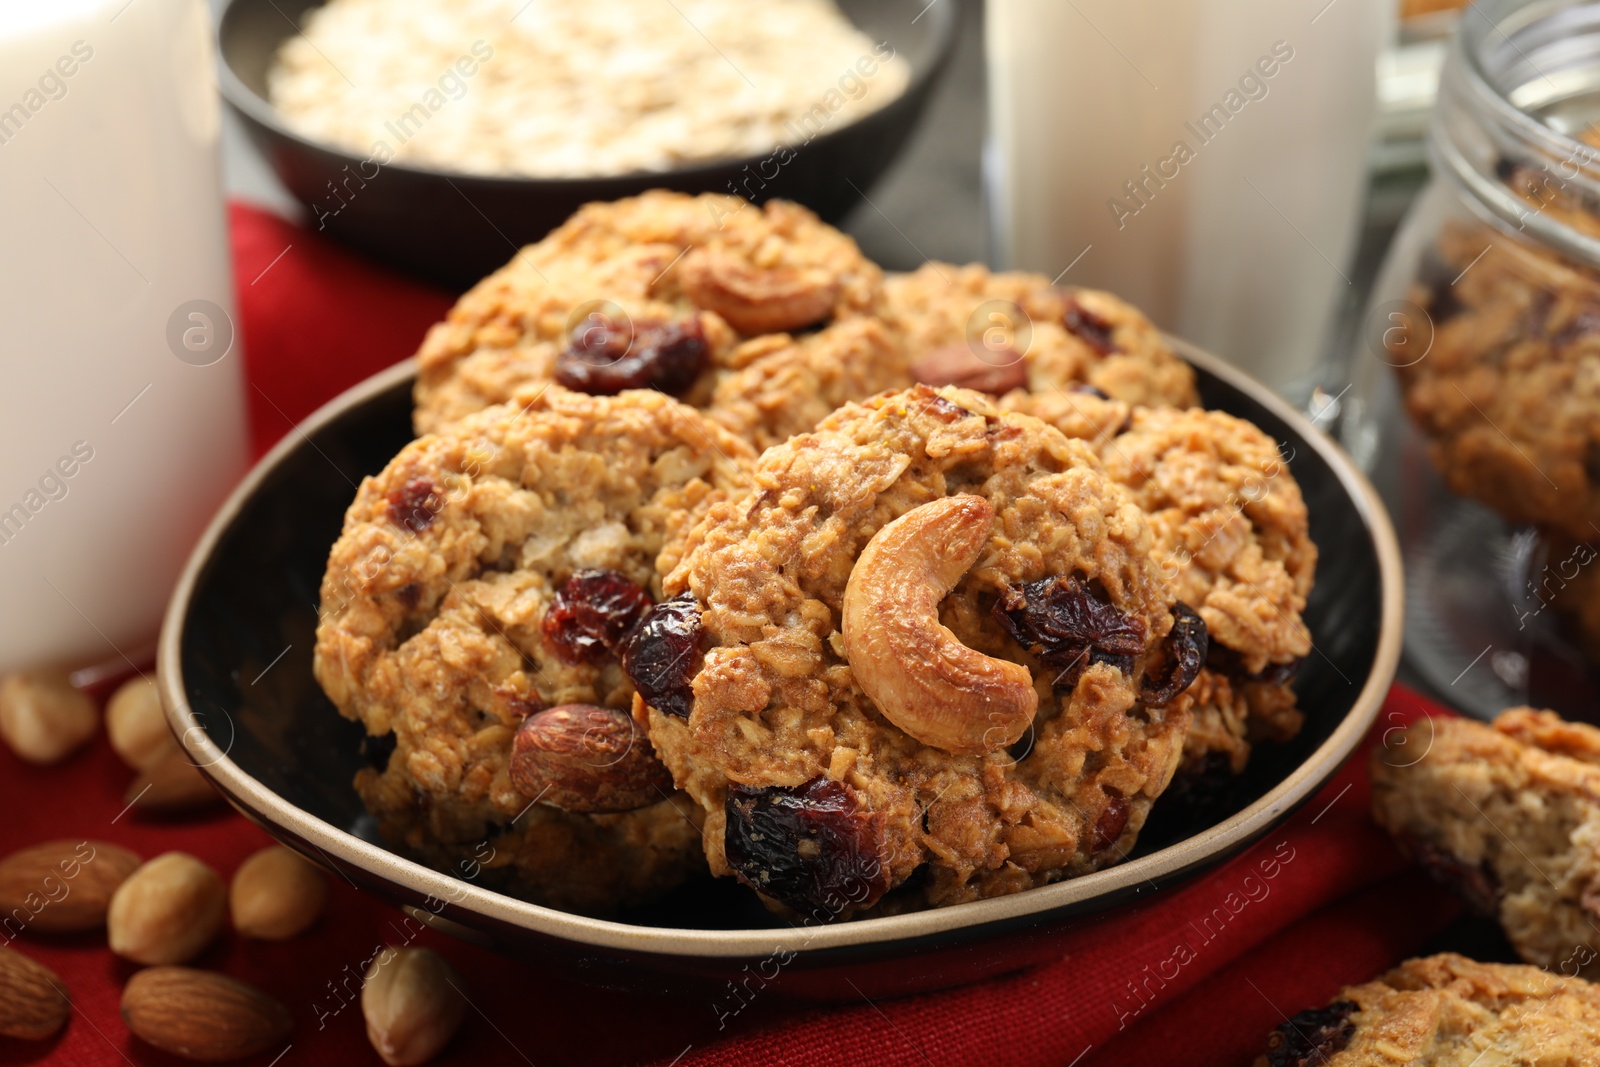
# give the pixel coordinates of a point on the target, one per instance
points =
(655, 291)
(1508, 395)
(1508, 815)
(929, 652)
(489, 572)
(1447, 1011)
(1231, 531)
(1067, 337)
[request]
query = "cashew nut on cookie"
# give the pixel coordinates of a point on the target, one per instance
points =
(758, 300)
(916, 671)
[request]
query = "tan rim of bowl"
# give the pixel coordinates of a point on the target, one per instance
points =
(340, 847)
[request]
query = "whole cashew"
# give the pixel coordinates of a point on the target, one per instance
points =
(757, 300)
(916, 671)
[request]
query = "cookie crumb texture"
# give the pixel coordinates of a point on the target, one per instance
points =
(1508, 816)
(448, 618)
(1447, 1011)
(813, 796)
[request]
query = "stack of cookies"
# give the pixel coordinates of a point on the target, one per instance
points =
(877, 594)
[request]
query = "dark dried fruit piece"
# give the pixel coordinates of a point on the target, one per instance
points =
(1089, 328)
(1112, 821)
(583, 758)
(1438, 278)
(1476, 885)
(663, 654)
(1066, 625)
(1313, 1036)
(605, 357)
(1090, 390)
(1184, 649)
(415, 505)
(591, 613)
(811, 847)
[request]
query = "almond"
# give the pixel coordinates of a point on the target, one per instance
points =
(33, 1001)
(201, 1015)
(276, 894)
(413, 1005)
(43, 718)
(167, 911)
(171, 786)
(995, 372)
(582, 758)
(136, 724)
(61, 886)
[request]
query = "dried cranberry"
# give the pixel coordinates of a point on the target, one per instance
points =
(1313, 1036)
(663, 653)
(605, 357)
(1112, 821)
(1090, 390)
(415, 505)
(1090, 328)
(410, 595)
(1066, 625)
(1184, 650)
(592, 612)
(811, 847)
(1585, 322)
(1225, 660)
(1475, 885)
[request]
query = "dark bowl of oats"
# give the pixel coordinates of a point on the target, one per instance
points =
(442, 148)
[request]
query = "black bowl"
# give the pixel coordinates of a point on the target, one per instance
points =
(455, 228)
(273, 744)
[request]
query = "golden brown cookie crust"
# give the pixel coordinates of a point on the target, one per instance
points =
(778, 704)
(1232, 533)
(737, 269)
(1448, 1011)
(432, 607)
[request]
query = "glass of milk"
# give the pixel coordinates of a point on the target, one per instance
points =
(122, 416)
(1205, 160)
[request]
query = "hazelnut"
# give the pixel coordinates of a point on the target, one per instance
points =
(136, 724)
(413, 1005)
(276, 894)
(42, 717)
(167, 911)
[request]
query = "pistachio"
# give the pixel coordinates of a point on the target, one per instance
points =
(276, 894)
(43, 718)
(413, 1005)
(167, 911)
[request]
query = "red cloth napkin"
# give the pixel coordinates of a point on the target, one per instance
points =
(1197, 975)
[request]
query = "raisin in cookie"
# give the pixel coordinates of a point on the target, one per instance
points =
(930, 651)
(1508, 394)
(998, 331)
(1232, 533)
(490, 572)
(1508, 815)
(1447, 1011)
(655, 291)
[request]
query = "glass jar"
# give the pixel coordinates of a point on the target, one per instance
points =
(1475, 393)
